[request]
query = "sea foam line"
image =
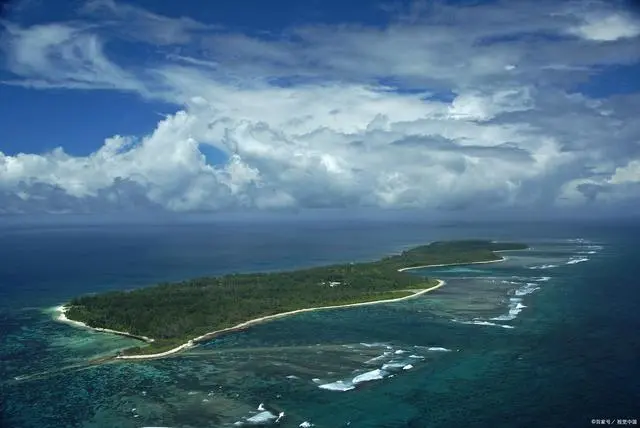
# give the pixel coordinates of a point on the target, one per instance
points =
(480, 322)
(574, 261)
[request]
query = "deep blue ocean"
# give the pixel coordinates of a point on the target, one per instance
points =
(548, 338)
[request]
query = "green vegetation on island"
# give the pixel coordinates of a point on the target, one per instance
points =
(172, 314)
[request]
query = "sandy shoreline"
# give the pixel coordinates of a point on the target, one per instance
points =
(62, 317)
(501, 259)
(191, 343)
(254, 321)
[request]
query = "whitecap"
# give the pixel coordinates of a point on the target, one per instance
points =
(417, 357)
(369, 376)
(399, 351)
(392, 366)
(261, 417)
(306, 424)
(337, 386)
(438, 349)
(479, 322)
(378, 358)
(515, 307)
(549, 266)
(577, 260)
(528, 288)
(407, 367)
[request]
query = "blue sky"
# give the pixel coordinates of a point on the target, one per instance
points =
(103, 112)
(244, 105)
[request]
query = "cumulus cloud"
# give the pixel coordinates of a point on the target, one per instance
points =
(447, 107)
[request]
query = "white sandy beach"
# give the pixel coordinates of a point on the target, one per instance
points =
(254, 321)
(191, 343)
(62, 317)
(502, 259)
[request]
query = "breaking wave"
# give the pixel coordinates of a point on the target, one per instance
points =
(547, 266)
(515, 307)
(481, 322)
(528, 288)
(391, 362)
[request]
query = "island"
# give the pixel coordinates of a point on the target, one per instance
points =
(171, 317)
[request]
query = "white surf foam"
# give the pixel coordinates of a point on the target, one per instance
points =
(376, 374)
(378, 358)
(574, 261)
(337, 386)
(261, 418)
(548, 266)
(480, 322)
(515, 307)
(306, 424)
(392, 361)
(438, 349)
(392, 366)
(528, 288)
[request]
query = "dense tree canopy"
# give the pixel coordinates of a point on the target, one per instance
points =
(174, 313)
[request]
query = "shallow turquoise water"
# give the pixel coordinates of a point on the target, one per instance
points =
(562, 360)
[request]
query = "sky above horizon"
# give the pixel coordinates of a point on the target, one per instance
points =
(441, 106)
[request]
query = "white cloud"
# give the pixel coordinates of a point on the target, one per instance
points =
(477, 106)
(135, 22)
(607, 28)
(629, 173)
(297, 150)
(328, 133)
(56, 55)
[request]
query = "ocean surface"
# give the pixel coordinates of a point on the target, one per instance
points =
(548, 338)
